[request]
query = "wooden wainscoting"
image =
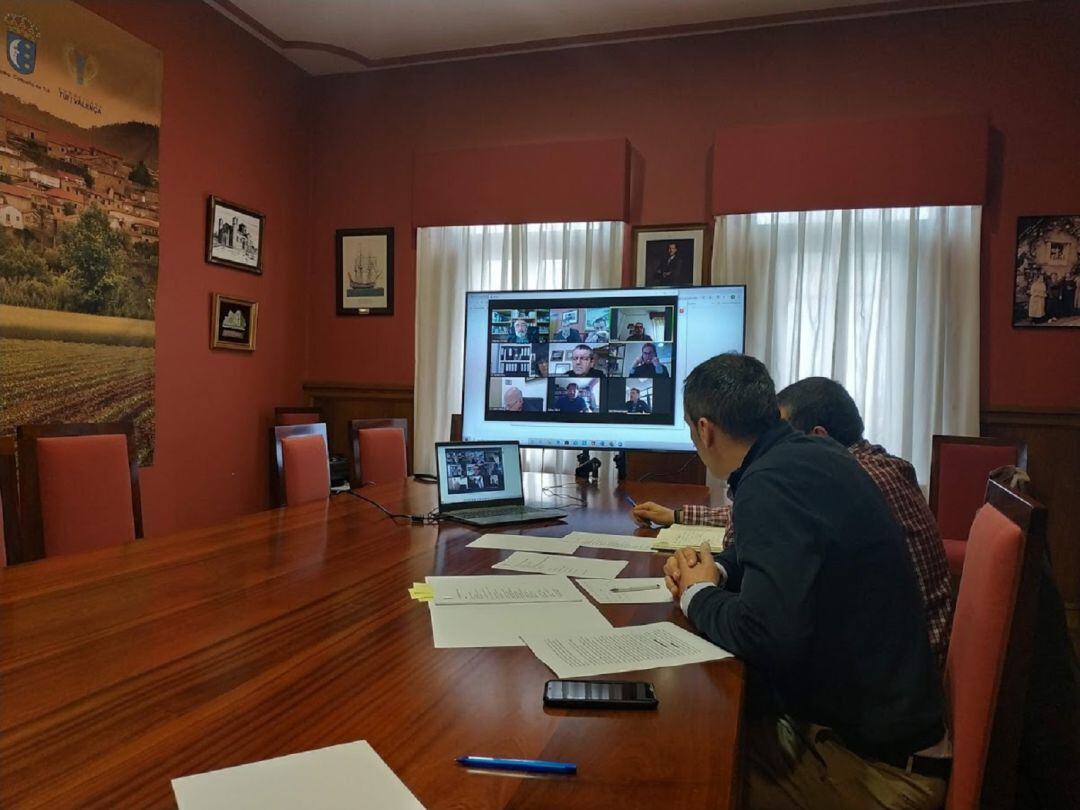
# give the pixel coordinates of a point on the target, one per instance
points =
(341, 402)
(1053, 442)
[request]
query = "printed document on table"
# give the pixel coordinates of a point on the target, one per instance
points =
(629, 590)
(504, 625)
(565, 566)
(342, 777)
(492, 589)
(622, 649)
(520, 542)
(620, 542)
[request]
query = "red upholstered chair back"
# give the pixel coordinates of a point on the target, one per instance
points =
(990, 647)
(79, 486)
(297, 416)
(959, 468)
(380, 450)
(308, 478)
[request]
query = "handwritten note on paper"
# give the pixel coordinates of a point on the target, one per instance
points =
(619, 542)
(498, 590)
(520, 542)
(342, 777)
(558, 565)
(678, 536)
(623, 649)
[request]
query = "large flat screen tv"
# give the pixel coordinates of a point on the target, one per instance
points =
(599, 369)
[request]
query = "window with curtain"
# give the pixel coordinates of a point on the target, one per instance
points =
(883, 300)
(451, 261)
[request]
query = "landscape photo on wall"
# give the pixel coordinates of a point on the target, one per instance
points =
(80, 110)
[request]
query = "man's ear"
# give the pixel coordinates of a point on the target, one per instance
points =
(706, 431)
(818, 430)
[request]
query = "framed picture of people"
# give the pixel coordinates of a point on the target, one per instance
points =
(670, 255)
(234, 236)
(232, 323)
(365, 271)
(1047, 289)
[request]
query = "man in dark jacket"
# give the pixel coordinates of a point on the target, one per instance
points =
(819, 598)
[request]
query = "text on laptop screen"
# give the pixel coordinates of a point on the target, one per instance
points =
(591, 368)
(477, 474)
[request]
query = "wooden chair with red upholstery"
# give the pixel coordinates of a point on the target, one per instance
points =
(298, 416)
(299, 464)
(10, 536)
(989, 658)
(380, 450)
(959, 468)
(79, 488)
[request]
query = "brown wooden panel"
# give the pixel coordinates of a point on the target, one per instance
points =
(1053, 442)
(343, 402)
(291, 629)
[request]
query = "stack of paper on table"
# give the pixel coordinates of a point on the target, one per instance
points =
(496, 611)
(519, 542)
(619, 542)
(342, 777)
(584, 653)
(679, 536)
(421, 592)
(565, 566)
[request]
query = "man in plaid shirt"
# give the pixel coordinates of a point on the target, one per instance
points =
(822, 407)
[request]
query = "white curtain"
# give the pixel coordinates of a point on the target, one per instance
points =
(885, 301)
(451, 261)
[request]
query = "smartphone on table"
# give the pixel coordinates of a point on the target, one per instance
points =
(571, 694)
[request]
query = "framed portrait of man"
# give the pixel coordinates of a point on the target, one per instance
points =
(671, 255)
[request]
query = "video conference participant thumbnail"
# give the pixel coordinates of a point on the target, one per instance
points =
(570, 395)
(519, 326)
(640, 395)
(517, 394)
(640, 323)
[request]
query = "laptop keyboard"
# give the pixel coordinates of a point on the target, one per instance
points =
(498, 510)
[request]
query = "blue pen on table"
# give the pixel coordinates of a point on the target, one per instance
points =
(527, 765)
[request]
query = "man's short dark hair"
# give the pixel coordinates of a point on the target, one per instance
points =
(821, 401)
(571, 385)
(582, 346)
(735, 393)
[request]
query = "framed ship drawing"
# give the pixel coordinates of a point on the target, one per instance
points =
(365, 271)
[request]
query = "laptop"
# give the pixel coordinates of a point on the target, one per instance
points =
(480, 484)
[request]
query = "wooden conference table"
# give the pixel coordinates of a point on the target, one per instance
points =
(292, 629)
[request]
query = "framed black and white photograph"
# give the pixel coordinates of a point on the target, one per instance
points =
(232, 323)
(670, 255)
(1047, 290)
(365, 271)
(234, 236)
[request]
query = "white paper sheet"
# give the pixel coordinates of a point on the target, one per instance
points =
(622, 649)
(520, 542)
(492, 589)
(342, 777)
(678, 536)
(559, 565)
(621, 542)
(504, 625)
(629, 590)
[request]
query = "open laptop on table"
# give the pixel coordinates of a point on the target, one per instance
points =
(480, 484)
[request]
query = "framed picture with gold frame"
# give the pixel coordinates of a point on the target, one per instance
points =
(233, 322)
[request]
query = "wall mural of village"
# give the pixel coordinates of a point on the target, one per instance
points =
(79, 203)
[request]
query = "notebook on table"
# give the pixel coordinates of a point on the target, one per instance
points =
(480, 484)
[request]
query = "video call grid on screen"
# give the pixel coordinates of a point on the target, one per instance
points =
(478, 472)
(592, 368)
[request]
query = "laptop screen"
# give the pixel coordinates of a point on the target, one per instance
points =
(477, 473)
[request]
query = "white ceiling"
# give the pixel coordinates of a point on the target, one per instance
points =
(340, 36)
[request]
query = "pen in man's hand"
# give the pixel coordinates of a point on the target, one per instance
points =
(630, 500)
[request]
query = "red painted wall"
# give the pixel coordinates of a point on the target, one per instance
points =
(1017, 64)
(234, 123)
